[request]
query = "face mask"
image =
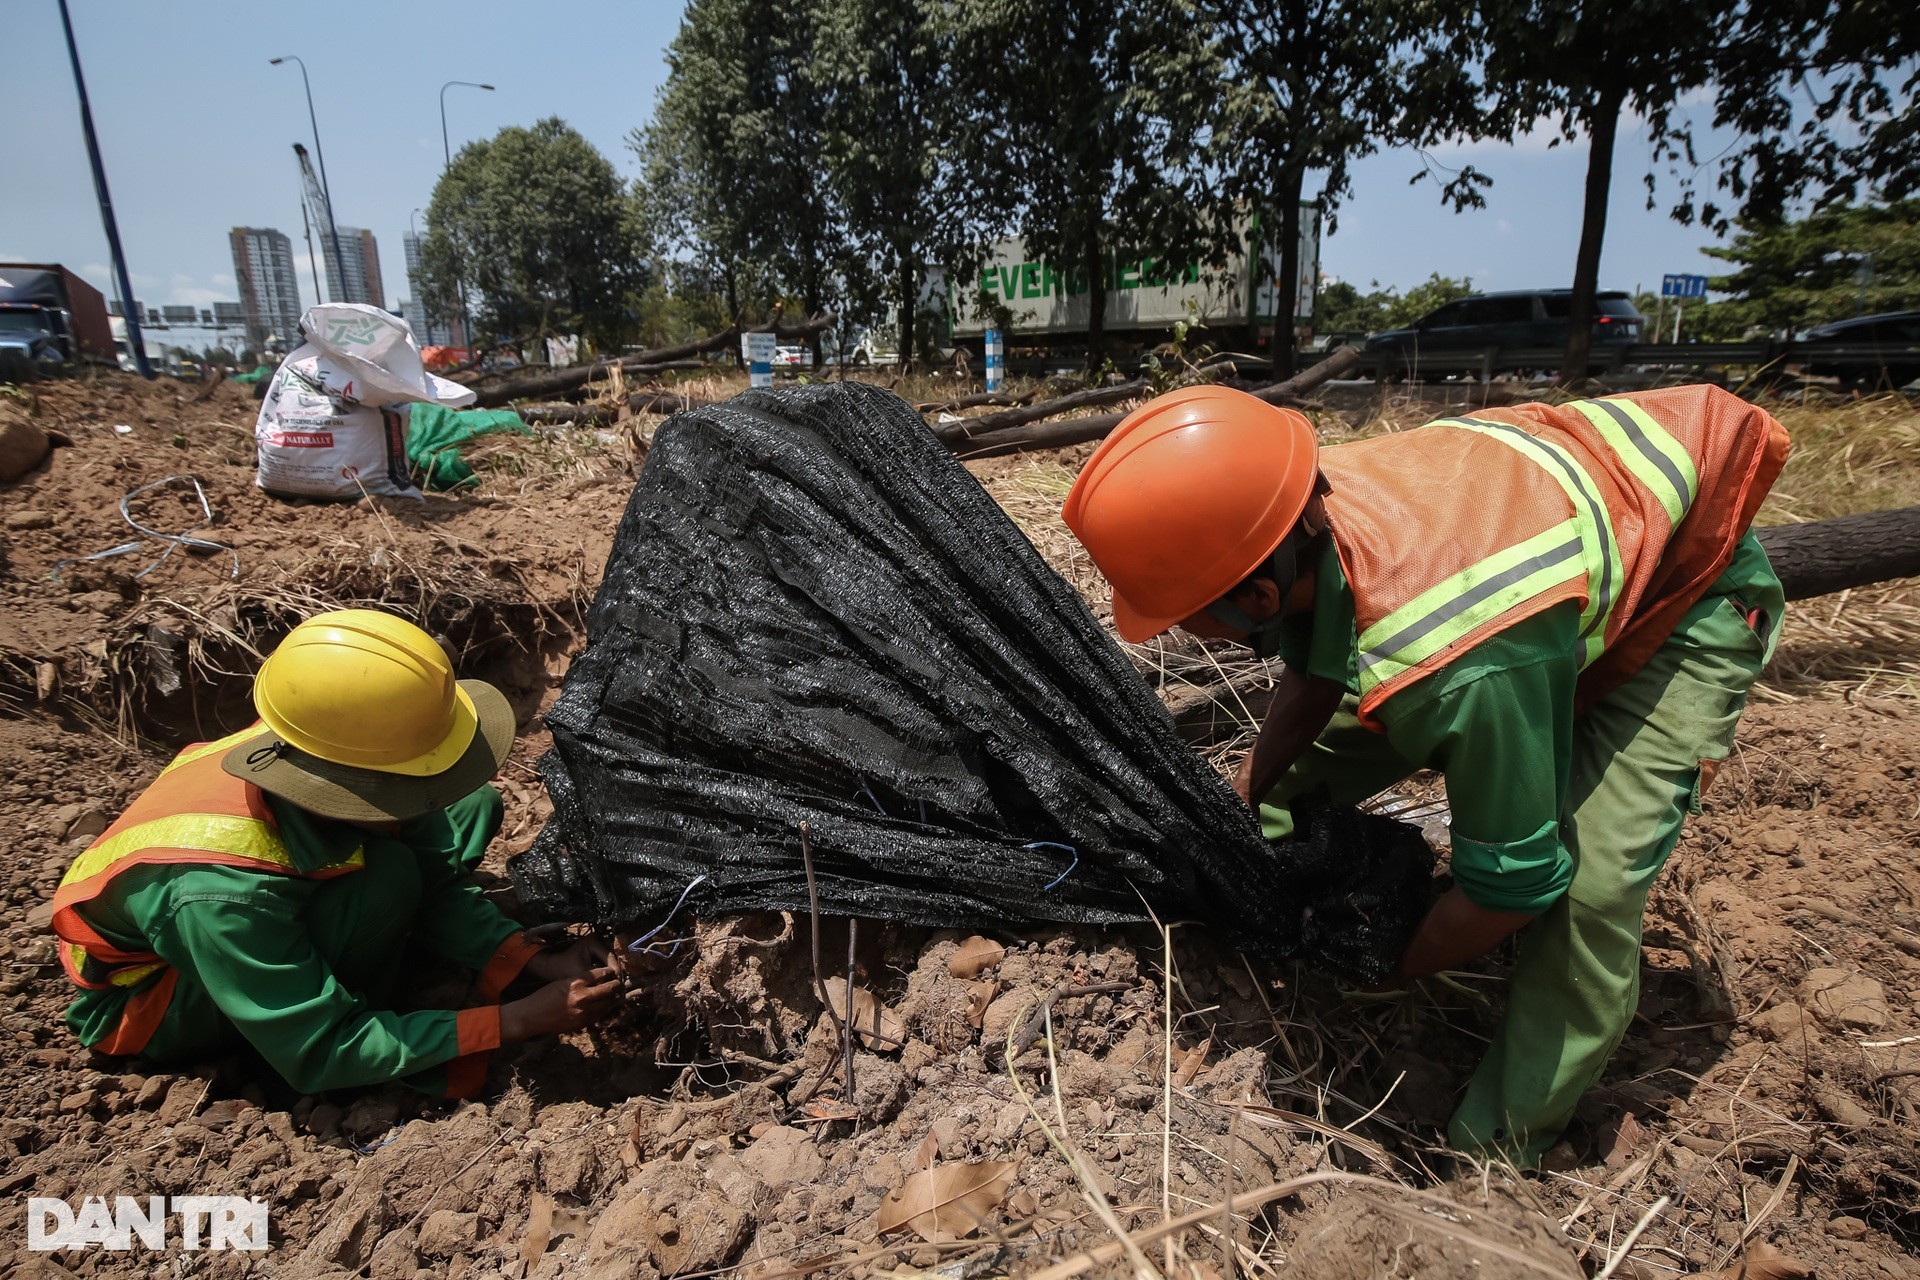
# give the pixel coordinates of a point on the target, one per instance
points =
(1263, 637)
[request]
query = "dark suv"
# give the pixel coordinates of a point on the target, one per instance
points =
(1524, 318)
(1890, 337)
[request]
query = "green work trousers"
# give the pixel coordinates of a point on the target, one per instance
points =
(1635, 775)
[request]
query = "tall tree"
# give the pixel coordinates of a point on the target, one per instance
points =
(883, 68)
(1576, 66)
(1304, 87)
(1063, 135)
(539, 228)
(732, 155)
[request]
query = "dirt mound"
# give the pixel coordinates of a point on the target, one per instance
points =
(1766, 1093)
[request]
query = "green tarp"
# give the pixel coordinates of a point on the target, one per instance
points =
(435, 435)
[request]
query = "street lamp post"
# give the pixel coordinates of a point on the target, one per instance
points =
(326, 192)
(445, 146)
(446, 149)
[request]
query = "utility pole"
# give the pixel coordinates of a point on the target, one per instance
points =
(136, 344)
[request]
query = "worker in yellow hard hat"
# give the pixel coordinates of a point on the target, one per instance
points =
(266, 888)
(1560, 608)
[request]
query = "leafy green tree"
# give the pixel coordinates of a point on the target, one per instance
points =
(1063, 134)
(1575, 66)
(537, 228)
(732, 156)
(1299, 87)
(1825, 96)
(1342, 308)
(1835, 263)
(884, 68)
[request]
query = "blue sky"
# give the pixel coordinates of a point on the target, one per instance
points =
(196, 131)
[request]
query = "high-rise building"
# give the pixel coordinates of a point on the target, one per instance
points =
(269, 289)
(429, 331)
(361, 282)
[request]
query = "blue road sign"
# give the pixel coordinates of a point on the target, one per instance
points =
(1683, 286)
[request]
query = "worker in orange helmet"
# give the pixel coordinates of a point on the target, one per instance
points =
(1560, 608)
(265, 888)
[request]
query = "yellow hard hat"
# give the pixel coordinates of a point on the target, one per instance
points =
(365, 689)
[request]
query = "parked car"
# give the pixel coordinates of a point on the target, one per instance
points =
(795, 357)
(1523, 318)
(1896, 366)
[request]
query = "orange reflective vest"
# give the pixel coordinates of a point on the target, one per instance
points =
(194, 812)
(1631, 505)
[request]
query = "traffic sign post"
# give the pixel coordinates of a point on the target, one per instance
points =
(757, 350)
(996, 359)
(1679, 287)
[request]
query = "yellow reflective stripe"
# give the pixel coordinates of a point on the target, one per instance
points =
(1601, 550)
(1656, 459)
(134, 975)
(1470, 599)
(224, 745)
(247, 838)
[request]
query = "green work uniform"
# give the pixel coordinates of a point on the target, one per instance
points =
(304, 970)
(1568, 819)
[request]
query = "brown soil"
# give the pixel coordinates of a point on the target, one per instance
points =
(1767, 1092)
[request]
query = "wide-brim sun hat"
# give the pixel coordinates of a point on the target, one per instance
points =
(353, 794)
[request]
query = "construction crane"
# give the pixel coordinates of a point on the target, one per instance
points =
(321, 212)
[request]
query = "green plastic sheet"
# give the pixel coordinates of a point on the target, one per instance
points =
(435, 435)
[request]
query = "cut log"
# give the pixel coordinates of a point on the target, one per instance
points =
(1825, 556)
(1058, 435)
(562, 381)
(987, 423)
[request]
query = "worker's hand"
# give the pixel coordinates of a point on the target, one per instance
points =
(566, 1004)
(1243, 777)
(575, 960)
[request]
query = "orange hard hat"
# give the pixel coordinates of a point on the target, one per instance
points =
(1193, 491)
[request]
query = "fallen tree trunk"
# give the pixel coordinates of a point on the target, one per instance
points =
(987, 423)
(550, 385)
(1825, 556)
(1058, 435)
(1814, 559)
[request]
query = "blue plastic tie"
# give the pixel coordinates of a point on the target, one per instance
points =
(867, 791)
(1064, 848)
(640, 943)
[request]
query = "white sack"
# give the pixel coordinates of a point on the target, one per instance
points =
(334, 421)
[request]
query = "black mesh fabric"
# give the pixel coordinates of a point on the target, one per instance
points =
(813, 613)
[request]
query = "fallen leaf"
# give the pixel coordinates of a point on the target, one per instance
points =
(949, 1201)
(533, 1245)
(877, 1026)
(548, 1220)
(928, 1152)
(1764, 1262)
(975, 955)
(1021, 1204)
(1189, 1066)
(829, 1109)
(979, 999)
(1628, 1137)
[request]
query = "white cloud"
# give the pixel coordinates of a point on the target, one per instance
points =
(224, 278)
(1504, 227)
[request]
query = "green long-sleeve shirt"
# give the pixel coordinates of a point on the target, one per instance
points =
(1498, 721)
(246, 941)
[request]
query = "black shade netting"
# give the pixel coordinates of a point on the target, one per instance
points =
(814, 614)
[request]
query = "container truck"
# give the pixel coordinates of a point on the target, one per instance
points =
(50, 317)
(1239, 304)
